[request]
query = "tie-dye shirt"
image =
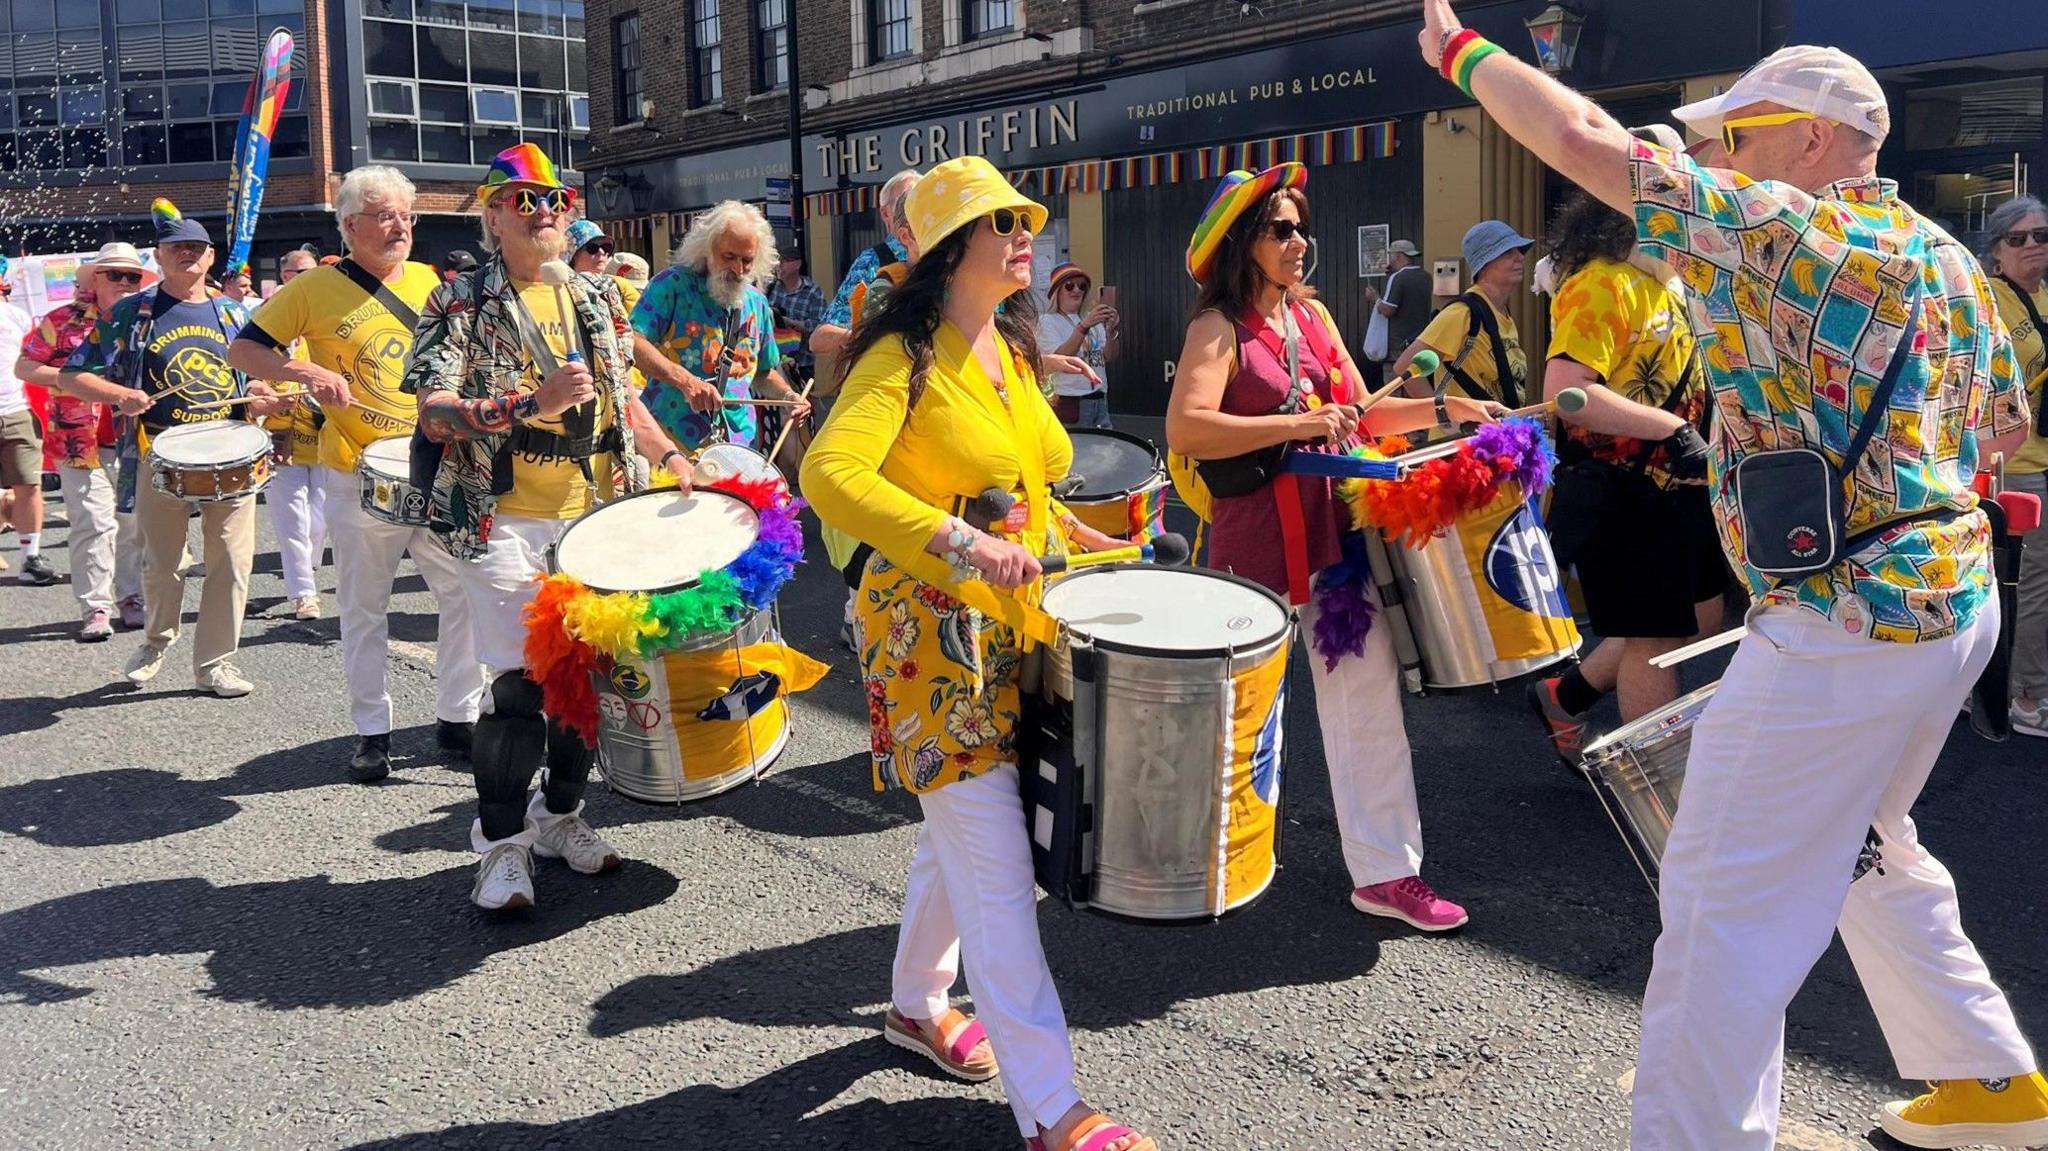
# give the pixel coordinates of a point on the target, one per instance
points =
(1799, 301)
(679, 315)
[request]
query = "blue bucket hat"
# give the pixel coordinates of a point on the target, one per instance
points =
(1489, 240)
(584, 231)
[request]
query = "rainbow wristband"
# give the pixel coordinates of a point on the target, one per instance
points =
(1462, 58)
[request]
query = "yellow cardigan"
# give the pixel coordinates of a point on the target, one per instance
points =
(889, 476)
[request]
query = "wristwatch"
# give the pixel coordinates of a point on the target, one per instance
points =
(663, 461)
(1443, 412)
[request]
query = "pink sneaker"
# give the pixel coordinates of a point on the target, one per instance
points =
(1411, 901)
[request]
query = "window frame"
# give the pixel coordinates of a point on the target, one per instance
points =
(476, 115)
(972, 12)
(707, 55)
(625, 111)
(412, 89)
(766, 61)
(880, 22)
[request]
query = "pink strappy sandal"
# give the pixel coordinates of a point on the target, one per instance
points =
(948, 1041)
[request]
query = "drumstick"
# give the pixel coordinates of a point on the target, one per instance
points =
(1422, 366)
(1568, 401)
(228, 403)
(790, 425)
(1167, 550)
(751, 402)
(1711, 643)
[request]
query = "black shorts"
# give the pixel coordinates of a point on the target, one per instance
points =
(1653, 556)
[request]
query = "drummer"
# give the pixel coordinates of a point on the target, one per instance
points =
(1836, 705)
(526, 452)
(297, 511)
(940, 401)
(356, 319)
(168, 348)
(1249, 257)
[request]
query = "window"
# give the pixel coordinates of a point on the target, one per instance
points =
(707, 58)
(771, 44)
(495, 106)
(889, 29)
(393, 98)
(626, 58)
(579, 112)
(989, 17)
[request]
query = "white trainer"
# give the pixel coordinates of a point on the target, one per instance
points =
(504, 880)
(2031, 720)
(144, 664)
(569, 839)
(225, 680)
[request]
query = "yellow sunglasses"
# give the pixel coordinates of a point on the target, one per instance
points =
(1775, 118)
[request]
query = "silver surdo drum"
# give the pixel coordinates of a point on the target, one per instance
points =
(1638, 770)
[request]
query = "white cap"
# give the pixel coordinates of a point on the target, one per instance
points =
(1663, 135)
(1827, 82)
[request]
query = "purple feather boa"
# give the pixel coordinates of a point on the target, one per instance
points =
(1344, 613)
(1522, 440)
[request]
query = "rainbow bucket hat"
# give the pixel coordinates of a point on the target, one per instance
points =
(1239, 191)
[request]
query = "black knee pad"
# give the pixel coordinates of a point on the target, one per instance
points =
(515, 696)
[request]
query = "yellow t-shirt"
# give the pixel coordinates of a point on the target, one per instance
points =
(2030, 351)
(348, 332)
(1633, 333)
(551, 489)
(1446, 334)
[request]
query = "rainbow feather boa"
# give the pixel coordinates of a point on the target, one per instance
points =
(573, 632)
(1434, 495)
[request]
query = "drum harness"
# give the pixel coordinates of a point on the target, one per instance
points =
(581, 441)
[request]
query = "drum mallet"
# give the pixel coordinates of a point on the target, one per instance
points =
(1423, 366)
(1570, 401)
(1169, 549)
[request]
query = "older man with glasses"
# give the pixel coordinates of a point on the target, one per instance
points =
(353, 322)
(2018, 255)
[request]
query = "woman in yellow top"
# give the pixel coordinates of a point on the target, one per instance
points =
(2018, 260)
(1463, 333)
(940, 402)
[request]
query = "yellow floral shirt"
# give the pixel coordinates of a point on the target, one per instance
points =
(1621, 323)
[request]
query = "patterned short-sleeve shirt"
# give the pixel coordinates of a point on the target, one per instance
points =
(679, 315)
(1798, 301)
(78, 427)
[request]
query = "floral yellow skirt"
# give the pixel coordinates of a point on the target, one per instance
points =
(941, 681)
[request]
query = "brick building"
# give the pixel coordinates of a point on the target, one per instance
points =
(110, 105)
(1118, 115)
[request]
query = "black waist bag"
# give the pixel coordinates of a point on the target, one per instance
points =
(1794, 505)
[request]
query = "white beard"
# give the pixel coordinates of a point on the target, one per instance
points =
(725, 289)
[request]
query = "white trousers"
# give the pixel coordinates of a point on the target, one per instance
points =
(1813, 737)
(972, 893)
(1372, 771)
(366, 555)
(89, 505)
(502, 583)
(298, 513)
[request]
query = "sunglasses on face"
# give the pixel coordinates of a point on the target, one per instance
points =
(1076, 286)
(1283, 230)
(1775, 118)
(2018, 239)
(555, 200)
(598, 248)
(122, 277)
(1004, 221)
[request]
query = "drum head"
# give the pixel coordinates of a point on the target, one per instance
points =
(214, 442)
(1111, 464)
(390, 456)
(1167, 611)
(656, 541)
(721, 460)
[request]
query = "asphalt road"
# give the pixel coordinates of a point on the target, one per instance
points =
(208, 937)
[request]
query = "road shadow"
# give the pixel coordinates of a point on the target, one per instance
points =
(307, 942)
(837, 978)
(786, 1107)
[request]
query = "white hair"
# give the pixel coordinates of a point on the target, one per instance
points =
(377, 180)
(2004, 218)
(694, 253)
(889, 203)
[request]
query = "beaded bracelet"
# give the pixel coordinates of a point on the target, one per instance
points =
(959, 546)
(1461, 57)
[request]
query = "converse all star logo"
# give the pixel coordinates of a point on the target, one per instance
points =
(1803, 542)
(1995, 1085)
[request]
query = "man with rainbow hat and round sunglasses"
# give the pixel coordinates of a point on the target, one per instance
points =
(1835, 321)
(524, 452)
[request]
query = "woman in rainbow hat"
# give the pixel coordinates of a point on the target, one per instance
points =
(1234, 396)
(940, 402)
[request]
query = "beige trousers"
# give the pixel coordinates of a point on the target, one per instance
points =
(227, 533)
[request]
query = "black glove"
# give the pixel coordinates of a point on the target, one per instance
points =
(1685, 454)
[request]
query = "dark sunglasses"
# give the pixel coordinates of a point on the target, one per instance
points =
(2019, 239)
(1004, 221)
(598, 248)
(556, 200)
(122, 277)
(1283, 230)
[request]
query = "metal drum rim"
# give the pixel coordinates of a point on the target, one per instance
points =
(1153, 482)
(1121, 647)
(1627, 734)
(212, 465)
(553, 557)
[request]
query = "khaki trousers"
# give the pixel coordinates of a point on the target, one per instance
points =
(227, 533)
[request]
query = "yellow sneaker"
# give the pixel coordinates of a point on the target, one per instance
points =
(1972, 1112)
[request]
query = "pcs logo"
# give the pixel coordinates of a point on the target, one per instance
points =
(1521, 569)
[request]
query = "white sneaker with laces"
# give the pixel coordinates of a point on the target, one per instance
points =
(306, 607)
(569, 839)
(144, 664)
(504, 880)
(225, 680)
(2031, 720)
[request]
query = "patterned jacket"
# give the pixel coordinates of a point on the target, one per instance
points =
(468, 345)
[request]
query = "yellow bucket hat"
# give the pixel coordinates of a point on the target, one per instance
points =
(959, 192)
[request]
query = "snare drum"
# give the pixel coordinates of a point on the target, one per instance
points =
(718, 461)
(696, 721)
(1123, 484)
(385, 473)
(1162, 719)
(1638, 770)
(210, 463)
(1484, 601)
